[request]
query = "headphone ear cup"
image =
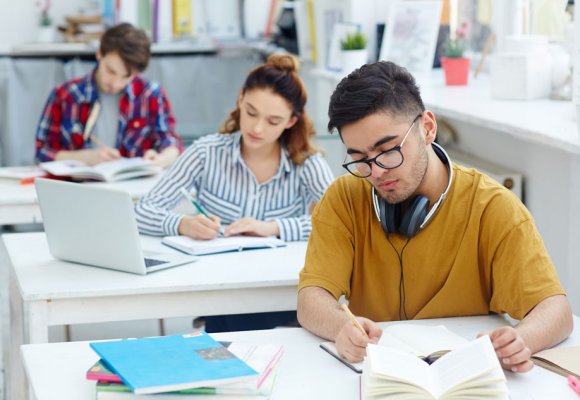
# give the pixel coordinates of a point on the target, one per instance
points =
(390, 216)
(414, 216)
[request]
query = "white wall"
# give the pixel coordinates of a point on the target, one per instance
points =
(19, 18)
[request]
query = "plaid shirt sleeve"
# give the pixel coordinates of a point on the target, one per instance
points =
(48, 133)
(164, 122)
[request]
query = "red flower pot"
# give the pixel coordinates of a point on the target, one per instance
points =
(456, 70)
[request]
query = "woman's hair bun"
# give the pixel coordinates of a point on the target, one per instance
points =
(283, 61)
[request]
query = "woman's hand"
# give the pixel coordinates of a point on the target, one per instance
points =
(200, 227)
(252, 227)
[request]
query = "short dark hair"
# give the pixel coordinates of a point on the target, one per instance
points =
(377, 87)
(130, 43)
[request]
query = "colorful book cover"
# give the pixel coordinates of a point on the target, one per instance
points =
(100, 372)
(171, 363)
(115, 390)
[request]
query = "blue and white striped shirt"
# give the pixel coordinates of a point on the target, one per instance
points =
(225, 187)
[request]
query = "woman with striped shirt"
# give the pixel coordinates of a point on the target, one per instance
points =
(259, 176)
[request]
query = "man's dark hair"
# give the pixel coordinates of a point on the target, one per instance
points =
(380, 87)
(130, 43)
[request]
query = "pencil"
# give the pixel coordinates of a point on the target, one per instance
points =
(93, 115)
(97, 141)
(353, 319)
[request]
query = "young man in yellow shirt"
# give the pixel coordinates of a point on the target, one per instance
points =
(410, 235)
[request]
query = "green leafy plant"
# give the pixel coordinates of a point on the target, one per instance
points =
(454, 48)
(354, 41)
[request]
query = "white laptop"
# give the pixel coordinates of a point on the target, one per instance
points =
(96, 226)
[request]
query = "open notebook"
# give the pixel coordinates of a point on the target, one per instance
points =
(221, 245)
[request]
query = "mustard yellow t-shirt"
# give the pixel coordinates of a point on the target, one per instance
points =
(481, 252)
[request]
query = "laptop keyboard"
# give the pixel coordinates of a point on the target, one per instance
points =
(151, 262)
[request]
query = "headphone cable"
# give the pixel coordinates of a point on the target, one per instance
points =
(402, 311)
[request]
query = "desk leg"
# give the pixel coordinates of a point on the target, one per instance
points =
(16, 386)
(38, 322)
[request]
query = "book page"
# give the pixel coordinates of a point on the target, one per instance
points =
(128, 167)
(399, 366)
(66, 167)
(420, 340)
(475, 360)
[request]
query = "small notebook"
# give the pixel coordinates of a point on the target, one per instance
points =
(221, 245)
(561, 360)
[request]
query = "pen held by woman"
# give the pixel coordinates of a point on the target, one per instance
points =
(210, 220)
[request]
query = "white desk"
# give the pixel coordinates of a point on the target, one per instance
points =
(305, 370)
(19, 204)
(45, 291)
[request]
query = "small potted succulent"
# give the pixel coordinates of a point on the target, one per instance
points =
(354, 51)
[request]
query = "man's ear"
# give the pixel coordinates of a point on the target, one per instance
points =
(99, 55)
(428, 126)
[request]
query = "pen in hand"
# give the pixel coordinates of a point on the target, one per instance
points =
(189, 197)
(353, 319)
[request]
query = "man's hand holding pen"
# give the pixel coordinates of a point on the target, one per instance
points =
(356, 333)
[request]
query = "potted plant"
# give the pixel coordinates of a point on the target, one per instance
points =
(455, 65)
(353, 51)
(45, 28)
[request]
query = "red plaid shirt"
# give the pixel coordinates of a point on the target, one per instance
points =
(145, 119)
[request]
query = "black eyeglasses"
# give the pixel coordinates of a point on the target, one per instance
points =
(388, 159)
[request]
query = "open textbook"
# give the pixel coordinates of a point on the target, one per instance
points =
(471, 371)
(561, 360)
(117, 170)
(221, 245)
(423, 341)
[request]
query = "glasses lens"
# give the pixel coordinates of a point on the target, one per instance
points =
(359, 169)
(390, 159)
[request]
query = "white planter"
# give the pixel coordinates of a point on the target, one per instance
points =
(46, 34)
(353, 59)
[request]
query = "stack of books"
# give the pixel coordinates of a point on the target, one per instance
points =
(192, 366)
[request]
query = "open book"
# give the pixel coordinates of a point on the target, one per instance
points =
(21, 175)
(561, 360)
(471, 371)
(121, 169)
(423, 341)
(221, 245)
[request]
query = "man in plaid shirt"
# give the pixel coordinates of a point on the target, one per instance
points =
(131, 116)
